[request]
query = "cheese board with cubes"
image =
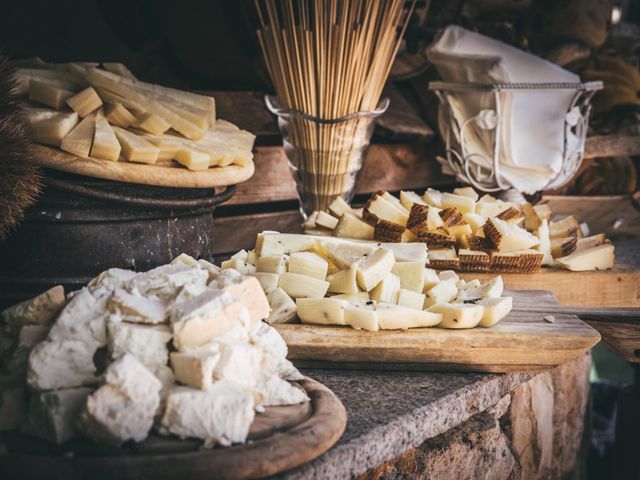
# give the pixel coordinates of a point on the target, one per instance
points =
(99, 120)
(174, 366)
(353, 303)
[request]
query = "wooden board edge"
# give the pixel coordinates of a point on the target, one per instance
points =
(129, 172)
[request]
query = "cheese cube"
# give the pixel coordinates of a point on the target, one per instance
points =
(309, 264)
(345, 281)
(195, 368)
(387, 290)
(274, 391)
(39, 310)
(323, 219)
(381, 208)
(61, 364)
(444, 291)
(374, 268)
(411, 299)
(339, 207)
(268, 281)
(85, 102)
(466, 192)
(276, 243)
(407, 199)
(283, 308)
(411, 275)
(223, 414)
(137, 309)
(362, 317)
(490, 289)
(239, 363)
(153, 124)
(147, 343)
(458, 315)
(321, 311)
(298, 286)
(495, 309)
(272, 264)
(396, 317)
(52, 414)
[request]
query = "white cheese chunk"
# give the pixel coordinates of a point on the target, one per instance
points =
(83, 319)
(272, 264)
(244, 289)
(601, 257)
(242, 266)
(344, 281)
(61, 364)
(463, 204)
(458, 315)
(309, 264)
(495, 309)
(300, 286)
(393, 317)
(112, 279)
(222, 414)
(362, 317)
(268, 281)
(350, 226)
(147, 343)
(343, 254)
(274, 391)
(52, 415)
(195, 368)
(387, 290)
(39, 310)
(444, 291)
(408, 252)
(374, 267)
(165, 281)
(411, 299)
(490, 289)
(411, 275)
(135, 308)
(239, 363)
(430, 279)
(321, 311)
(283, 308)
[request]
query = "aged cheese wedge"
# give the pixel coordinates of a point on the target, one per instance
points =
(411, 275)
(460, 231)
(380, 208)
(508, 237)
(387, 290)
(339, 207)
(135, 148)
(462, 204)
(393, 200)
(167, 145)
(476, 221)
(444, 291)
(490, 209)
(362, 317)
(118, 115)
(451, 216)
(512, 215)
(473, 292)
(433, 198)
(105, 144)
(344, 281)
(151, 123)
(309, 264)
(50, 128)
(466, 192)
(397, 317)
(242, 266)
(443, 258)
(474, 260)
(563, 246)
(567, 227)
(542, 232)
(590, 242)
(411, 299)
(321, 311)
(283, 308)
(80, 138)
(268, 281)
(48, 95)
(409, 198)
(384, 231)
(193, 159)
(345, 254)
(327, 221)
(495, 309)
(408, 252)
(350, 226)
(601, 257)
(85, 102)
(199, 118)
(458, 315)
(372, 269)
(273, 264)
(273, 243)
(300, 286)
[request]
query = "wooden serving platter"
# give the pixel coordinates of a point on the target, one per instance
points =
(521, 341)
(161, 174)
(281, 438)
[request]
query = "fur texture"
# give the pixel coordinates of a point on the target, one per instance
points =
(20, 181)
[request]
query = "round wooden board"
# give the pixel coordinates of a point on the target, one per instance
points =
(282, 438)
(166, 174)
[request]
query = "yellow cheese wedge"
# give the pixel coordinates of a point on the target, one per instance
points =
(396, 317)
(362, 317)
(408, 198)
(308, 263)
(372, 269)
(350, 226)
(339, 207)
(80, 138)
(135, 148)
(152, 123)
(321, 311)
(299, 286)
(601, 257)
(105, 144)
(462, 204)
(118, 115)
(283, 308)
(381, 208)
(85, 102)
(50, 127)
(47, 94)
(458, 315)
(192, 159)
(168, 145)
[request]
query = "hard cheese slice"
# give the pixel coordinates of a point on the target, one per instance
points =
(105, 143)
(51, 127)
(135, 148)
(80, 138)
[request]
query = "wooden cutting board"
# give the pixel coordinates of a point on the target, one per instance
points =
(162, 174)
(521, 341)
(281, 438)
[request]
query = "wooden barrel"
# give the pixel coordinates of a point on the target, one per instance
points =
(81, 226)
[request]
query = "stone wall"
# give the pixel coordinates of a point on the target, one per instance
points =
(535, 432)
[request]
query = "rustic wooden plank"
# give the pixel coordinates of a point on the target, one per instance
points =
(519, 340)
(622, 338)
(611, 214)
(387, 166)
(611, 146)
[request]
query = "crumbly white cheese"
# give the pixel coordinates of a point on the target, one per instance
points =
(165, 281)
(61, 364)
(112, 279)
(222, 414)
(275, 391)
(195, 368)
(135, 308)
(148, 343)
(239, 363)
(52, 414)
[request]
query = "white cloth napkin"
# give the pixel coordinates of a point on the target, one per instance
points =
(531, 121)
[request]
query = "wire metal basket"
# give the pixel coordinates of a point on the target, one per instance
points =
(459, 120)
